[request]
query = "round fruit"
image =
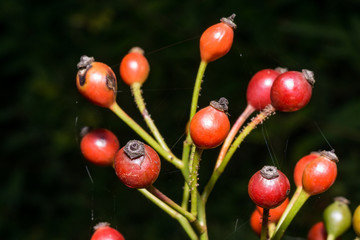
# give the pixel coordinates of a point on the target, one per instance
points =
(300, 166)
(356, 221)
(275, 213)
(337, 217)
(134, 67)
(210, 126)
(217, 40)
(137, 165)
(104, 232)
(317, 232)
(268, 187)
(96, 81)
(256, 222)
(99, 146)
(320, 174)
(292, 90)
(258, 90)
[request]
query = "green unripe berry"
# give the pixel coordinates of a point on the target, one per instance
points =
(337, 217)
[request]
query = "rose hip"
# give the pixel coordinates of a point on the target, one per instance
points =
(104, 232)
(210, 126)
(292, 90)
(137, 165)
(320, 173)
(217, 40)
(99, 146)
(96, 81)
(268, 187)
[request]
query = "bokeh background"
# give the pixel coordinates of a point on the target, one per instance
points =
(47, 189)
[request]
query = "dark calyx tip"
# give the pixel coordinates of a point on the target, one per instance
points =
(281, 69)
(342, 200)
(309, 75)
(269, 172)
(85, 61)
(330, 155)
(85, 130)
(229, 21)
(221, 105)
(101, 225)
(134, 149)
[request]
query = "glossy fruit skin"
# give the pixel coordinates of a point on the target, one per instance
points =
(104, 232)
(317, 232)
(320, 174)
(268, 192)
(290, 91)
(275, 213)
(300, 166)
(356, 221)
(337, 217)
(134, 67)
(258, 90)
(209, 127)
(97, 82)
(99, 146)
(216, 41)
(139, 172)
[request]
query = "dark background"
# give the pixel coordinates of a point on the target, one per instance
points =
(47, 189)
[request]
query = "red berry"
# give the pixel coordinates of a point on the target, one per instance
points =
(104, 232)
(292, 90)
(99, 146)
(256, 222)
(217, 40)
(96, 81)
(134, 67)
(275, 213)
(137, 165)
(300, 166)
(268, 187)
(210, 126)
(317, 232)
(320, 173)
(356, 221)
(258, 90)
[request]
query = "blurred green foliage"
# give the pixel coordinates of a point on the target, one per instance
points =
(48, 191)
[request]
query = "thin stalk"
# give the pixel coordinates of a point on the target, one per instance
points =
(171, 212)
(170, 157)
(202, 218)
(289, 206)
(259, 119)
(193, 181)
(171, 203)
(264, 226)
(186, 174)
(330, 237)
(194, 105)
(281, 228)
(139, 100)
(233, 131)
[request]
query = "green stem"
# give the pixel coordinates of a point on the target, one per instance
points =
(194, 105)
(170, 157)
(193, 181)
(260, 118)
(281, 228)
(139, 100)
(186, 174)
(330, 237)
(289, 206)
(264, 226)
(202, 218)
(171, 212)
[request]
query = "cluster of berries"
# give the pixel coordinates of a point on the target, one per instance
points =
(138, 165)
